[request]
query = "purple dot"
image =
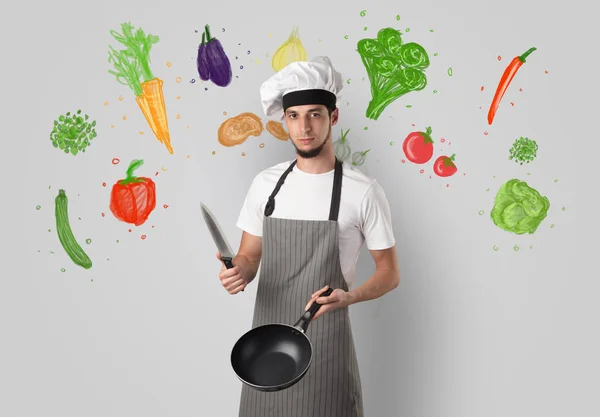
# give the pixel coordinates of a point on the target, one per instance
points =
(248, 52)
(192, 81)
(205, 88)
(241, 67)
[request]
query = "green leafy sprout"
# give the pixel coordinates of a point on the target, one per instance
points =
(519, 208)
(394, 68)
(523, 150)
(73, 133)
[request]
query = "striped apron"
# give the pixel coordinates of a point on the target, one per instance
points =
(300, 257)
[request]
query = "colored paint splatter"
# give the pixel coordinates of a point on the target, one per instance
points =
(363, 13)
(397, 17)
(450, 71)
(38, 207)
(407, 30)
(88, 241)
(516, 248)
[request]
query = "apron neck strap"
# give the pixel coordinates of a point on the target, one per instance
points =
(335, 194)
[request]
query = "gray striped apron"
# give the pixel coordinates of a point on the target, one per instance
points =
(300, 257)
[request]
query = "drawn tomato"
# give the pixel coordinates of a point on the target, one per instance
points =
(444, 166)
(133, 199)
(418, 146)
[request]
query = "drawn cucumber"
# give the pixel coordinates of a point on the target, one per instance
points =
(65, 234)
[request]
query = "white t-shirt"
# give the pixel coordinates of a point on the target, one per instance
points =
(364, 214)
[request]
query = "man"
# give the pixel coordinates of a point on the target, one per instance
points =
(304, 222)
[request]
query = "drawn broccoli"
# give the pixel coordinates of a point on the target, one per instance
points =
(394, 68)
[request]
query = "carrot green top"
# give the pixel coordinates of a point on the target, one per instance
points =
(133, 62)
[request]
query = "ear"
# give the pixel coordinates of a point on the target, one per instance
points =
(334, 117)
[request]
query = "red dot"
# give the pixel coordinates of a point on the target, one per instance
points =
(481, 88)
(129, 230)
(403, 161)
(104, 184)
(499, 57)
(143, 237)
(156, 173)
(422, 171)
(447, 185)
(115, 161)
(485, 133)
(442, 140)
(102, 214)
(520, 89)
(166, 206)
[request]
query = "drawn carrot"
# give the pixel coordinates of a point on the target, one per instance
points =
(132, 66)
(507, 76)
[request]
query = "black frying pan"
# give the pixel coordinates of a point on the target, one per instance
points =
(274, 357)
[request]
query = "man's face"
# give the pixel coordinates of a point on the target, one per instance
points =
(309, 127)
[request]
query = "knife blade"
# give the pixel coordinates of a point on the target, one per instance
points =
(218, 236)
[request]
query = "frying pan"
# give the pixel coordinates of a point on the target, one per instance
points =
(273, 357)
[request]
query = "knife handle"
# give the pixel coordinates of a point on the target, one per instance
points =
(228, 263)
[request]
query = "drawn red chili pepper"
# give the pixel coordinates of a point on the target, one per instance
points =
(507, 76)
(444, 166)
(133, 199)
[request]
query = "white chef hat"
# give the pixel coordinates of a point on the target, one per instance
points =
(299, 83)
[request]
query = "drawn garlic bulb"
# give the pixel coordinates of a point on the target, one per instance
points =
(290, 51)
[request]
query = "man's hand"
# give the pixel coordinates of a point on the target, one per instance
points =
(337, 299)
(231, 279)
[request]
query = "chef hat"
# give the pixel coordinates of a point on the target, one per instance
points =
(299, 83)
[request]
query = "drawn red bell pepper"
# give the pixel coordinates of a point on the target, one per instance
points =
(133, 199)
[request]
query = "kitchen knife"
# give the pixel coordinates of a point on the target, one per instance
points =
(218, 236)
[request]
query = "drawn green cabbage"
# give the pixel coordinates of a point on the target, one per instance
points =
(519, 208)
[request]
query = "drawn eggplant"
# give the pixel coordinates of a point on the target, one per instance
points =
(201, 61)
(212, 61)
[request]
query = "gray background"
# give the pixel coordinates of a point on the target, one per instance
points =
(148, 330)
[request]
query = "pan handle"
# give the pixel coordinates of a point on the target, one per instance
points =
(304, 320)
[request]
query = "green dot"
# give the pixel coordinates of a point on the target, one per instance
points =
(117, 240)
(345, 36)
(366, 128)
(556, 180)
(495, 248)
(363, 13)
(450, 71)
(516, 248)
(551, 226)
(487, 189)
(407, 30)
(365, 28)
(531, 247)
(409, 106)
(436, 54)
(88, 241)
(348, 80)
(431, 30)
(38, 207)
(480, 212)
(62, 269)
(564, 208)
(435, 91)
(391, 143)
(49, 230)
